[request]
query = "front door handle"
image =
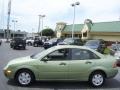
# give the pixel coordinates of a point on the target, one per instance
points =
(62, 63)
(88, 62)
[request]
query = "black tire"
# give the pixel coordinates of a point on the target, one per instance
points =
(28, 80)
(14, 47)
(35, 45)
(24, 48)
(29, 44)
(100, 79)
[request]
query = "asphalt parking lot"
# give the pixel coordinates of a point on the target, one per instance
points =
(7, 53)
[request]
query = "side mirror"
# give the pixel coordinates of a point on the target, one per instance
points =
(45, 59)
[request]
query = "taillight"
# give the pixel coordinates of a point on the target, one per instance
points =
(118, 63)
(114, 64)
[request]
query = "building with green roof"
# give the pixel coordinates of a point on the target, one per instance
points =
(109, 31)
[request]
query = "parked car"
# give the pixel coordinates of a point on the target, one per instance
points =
(29, 41)
(75, 63)
(52, 42)
(98, 45)
(71, 41)
(115, 50)
(37, 42)
(18, 43)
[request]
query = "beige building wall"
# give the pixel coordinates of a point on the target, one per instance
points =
(106, 38)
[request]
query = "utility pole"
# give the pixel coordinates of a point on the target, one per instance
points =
(8, 20)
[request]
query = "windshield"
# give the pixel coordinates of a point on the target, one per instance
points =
(39, 55)
(68, 40)
(92, 42)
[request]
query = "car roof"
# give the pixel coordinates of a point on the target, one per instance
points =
(71, 46)
(74, 46)
(73, 38)
(95, 40)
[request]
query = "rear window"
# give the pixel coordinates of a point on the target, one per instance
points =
(92, 42)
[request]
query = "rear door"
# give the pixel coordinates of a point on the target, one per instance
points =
(81, 63)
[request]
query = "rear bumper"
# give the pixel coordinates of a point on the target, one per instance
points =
(47, 46)
(112, 73)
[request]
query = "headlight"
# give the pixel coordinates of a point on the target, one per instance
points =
(7, 72)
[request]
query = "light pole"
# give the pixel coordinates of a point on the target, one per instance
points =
(42, 23)
(14, 21)
(32, 32)
(74, 5)
(8, 21)
(40, 18)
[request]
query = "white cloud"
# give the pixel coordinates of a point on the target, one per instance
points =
(27, 11)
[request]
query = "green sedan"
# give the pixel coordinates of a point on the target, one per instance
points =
(64, 62)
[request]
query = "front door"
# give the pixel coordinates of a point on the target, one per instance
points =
(54, 66)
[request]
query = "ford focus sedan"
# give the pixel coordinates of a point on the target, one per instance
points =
(73, 63)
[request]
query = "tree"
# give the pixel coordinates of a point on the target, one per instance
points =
(48, 32)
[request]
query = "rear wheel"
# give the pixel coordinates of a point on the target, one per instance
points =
(24, 77)
(97, 79)
(14, 47)
(29, 44)
(34, 44)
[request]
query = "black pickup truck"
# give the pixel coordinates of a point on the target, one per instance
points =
(18, 43)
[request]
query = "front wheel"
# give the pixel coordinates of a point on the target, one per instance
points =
(97, 79)
(24, 77)
(24, 47)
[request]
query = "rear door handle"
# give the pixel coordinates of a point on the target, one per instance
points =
(88, 62)
(62, 63)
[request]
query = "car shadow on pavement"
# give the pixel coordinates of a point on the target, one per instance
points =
(110, 84)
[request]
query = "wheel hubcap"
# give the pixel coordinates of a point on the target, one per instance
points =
(24, 78)
(97, 79)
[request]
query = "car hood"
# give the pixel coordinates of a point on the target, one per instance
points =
(20, 60)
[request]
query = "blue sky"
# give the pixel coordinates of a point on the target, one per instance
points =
(26, 12)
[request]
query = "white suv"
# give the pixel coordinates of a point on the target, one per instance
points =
(29, 41)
